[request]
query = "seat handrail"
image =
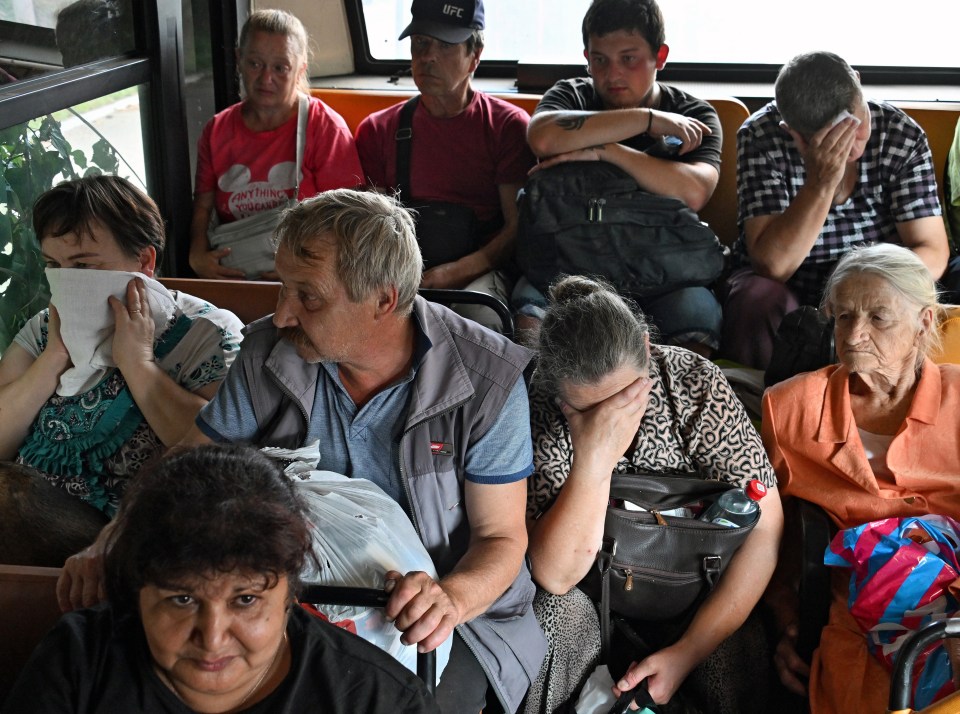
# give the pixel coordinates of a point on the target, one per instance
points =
(369, 597)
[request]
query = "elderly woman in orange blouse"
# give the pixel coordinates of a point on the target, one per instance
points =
(873, 437)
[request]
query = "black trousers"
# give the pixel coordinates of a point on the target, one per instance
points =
(463, 685)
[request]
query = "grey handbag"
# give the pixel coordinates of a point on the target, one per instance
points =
(251, 239)
(656, 567)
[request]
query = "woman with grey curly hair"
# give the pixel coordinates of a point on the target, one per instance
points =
(605, 400)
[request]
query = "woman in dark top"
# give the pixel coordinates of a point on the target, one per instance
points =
(201, 575)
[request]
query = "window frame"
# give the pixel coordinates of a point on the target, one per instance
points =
(539, 77)
(158, 66)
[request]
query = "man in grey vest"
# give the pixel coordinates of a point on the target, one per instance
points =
(428, 405)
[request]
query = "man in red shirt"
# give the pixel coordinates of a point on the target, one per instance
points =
(467, 148)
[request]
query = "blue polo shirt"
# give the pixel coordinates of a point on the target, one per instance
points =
(365, 442)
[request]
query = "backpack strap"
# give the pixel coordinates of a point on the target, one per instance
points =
(404, 139)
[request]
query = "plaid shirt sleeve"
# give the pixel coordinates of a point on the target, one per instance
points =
(763, 166)
(912, 181)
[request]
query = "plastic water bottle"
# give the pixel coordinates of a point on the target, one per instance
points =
(737, 507)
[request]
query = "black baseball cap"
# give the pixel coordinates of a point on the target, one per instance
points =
(450, 21)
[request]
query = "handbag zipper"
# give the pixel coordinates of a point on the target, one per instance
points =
(676, 522)
(595, 209)
(630, 571)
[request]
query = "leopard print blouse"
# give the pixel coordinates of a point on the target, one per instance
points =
(694, 423)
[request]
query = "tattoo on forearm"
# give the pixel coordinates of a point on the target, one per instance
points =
(573, 123)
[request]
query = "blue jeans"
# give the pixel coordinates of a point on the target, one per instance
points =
(681, 317)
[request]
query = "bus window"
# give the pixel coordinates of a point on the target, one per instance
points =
(43, 36)
(740, 32)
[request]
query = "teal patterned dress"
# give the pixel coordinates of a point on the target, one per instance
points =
(90, 444)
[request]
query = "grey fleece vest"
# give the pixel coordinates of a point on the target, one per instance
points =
(457, 394)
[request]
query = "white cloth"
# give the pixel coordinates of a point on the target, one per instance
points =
(86, 319)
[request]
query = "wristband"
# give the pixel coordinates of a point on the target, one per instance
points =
(649, 121)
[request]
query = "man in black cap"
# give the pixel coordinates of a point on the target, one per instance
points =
(466, 148)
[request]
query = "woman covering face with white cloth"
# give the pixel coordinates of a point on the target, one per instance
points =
(109, 376)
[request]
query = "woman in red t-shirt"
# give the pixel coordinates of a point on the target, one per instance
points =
(246, 159)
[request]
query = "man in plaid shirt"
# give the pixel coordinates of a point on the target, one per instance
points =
(819, 171)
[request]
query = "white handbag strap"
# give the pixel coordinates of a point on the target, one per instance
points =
(302, 118)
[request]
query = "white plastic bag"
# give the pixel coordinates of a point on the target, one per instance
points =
(359, 533)
(299, 463)
(596, 697)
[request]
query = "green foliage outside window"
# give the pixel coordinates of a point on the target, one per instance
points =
(33, 157)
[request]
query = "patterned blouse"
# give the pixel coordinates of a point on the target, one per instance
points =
(694, 423)
(92, 443)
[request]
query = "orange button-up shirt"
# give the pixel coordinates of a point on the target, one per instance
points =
(813, 443)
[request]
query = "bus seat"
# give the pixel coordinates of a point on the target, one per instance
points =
(28, 609)
(939, 120)
(252, 299)
(949, 352)
(816, 530)
(449, 298)
(721, 210)
(247, 299)
(354, 105)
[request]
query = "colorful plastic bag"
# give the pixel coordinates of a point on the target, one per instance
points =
(904, 576)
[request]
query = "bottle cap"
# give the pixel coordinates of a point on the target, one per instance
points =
(755, 490)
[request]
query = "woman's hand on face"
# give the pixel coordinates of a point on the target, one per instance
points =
(791, 668)
(207, 265)
(664, 672)
(609, 428)
(134, 328)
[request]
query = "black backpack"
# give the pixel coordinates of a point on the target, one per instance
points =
(591, 218)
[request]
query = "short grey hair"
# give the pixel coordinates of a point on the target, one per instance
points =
(279, 22)
(374, 236)
(905, 273)
(474, 42)
(814, 88)
(588, 332)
